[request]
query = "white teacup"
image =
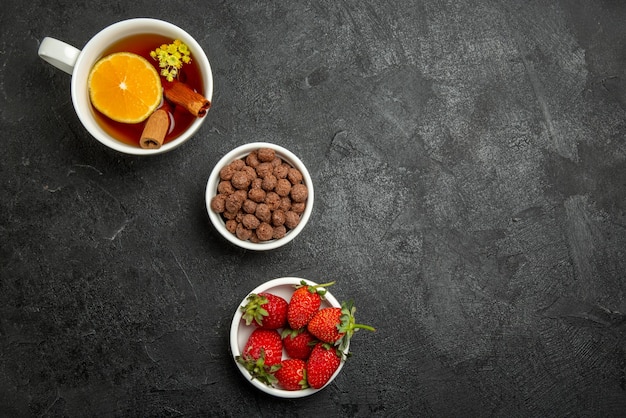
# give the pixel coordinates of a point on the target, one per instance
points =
(78, 64)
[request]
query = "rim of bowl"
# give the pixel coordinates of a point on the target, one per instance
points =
(238, 340)
(242, 151)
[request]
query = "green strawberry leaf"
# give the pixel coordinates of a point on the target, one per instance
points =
(254, 310)
(318, 288)
(258, 370)
(347, 325)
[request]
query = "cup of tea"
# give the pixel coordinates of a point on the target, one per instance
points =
(186, 90)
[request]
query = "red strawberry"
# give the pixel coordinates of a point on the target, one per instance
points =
(335, 325)
(304, 302)
(264, 342)
(262, 354)
(321, 365)
(298, 343)
(265, 310)
(292, 374)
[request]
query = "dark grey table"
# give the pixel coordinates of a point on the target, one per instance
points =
(469, 161)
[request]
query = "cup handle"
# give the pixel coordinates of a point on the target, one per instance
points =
(58, 53)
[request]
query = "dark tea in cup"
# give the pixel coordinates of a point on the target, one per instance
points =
(180, 118)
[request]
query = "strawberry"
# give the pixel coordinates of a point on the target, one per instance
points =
(335, 325)
(264, 343)
(262, 354)
(265, 310)
(298, 343)
(321, 365)
(292, 374)
(305, 301)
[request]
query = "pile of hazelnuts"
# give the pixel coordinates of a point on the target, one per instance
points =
(260, 197)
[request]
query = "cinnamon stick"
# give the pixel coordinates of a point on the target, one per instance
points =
(155, 129)
(181, 94)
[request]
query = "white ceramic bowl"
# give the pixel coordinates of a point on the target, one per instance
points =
(241, 152)
(239, 333)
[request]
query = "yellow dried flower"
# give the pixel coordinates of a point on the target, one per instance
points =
(171, 58)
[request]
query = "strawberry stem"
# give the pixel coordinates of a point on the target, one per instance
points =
(317, 288)
(258, 370)
(363, 326)
(347, 326)
(254, 310)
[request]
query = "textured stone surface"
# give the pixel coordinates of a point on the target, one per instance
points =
(469, 160)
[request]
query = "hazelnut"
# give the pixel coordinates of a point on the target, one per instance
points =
(292, 219)
(263, 212)
(233, 203)
(272, 200)
(241, 195)
(281, 171)
(218, 203)
(294, 176)
(240, 180)
(264, 231)
(283, 187)
(266, 154)
(276, 162)
(257, 195)
(249, 206)
(251, 172)
(242, 232)
(226, 173)
(256, 183)
(279, 232)
(278, 218)
(264, 169)
(237, 165)
(252, 159)
(231, 225)
(299, 192)
(225, 187)
(285, 203)
(250, 221)
(269, 182)
(298, 207)
(254, 238)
